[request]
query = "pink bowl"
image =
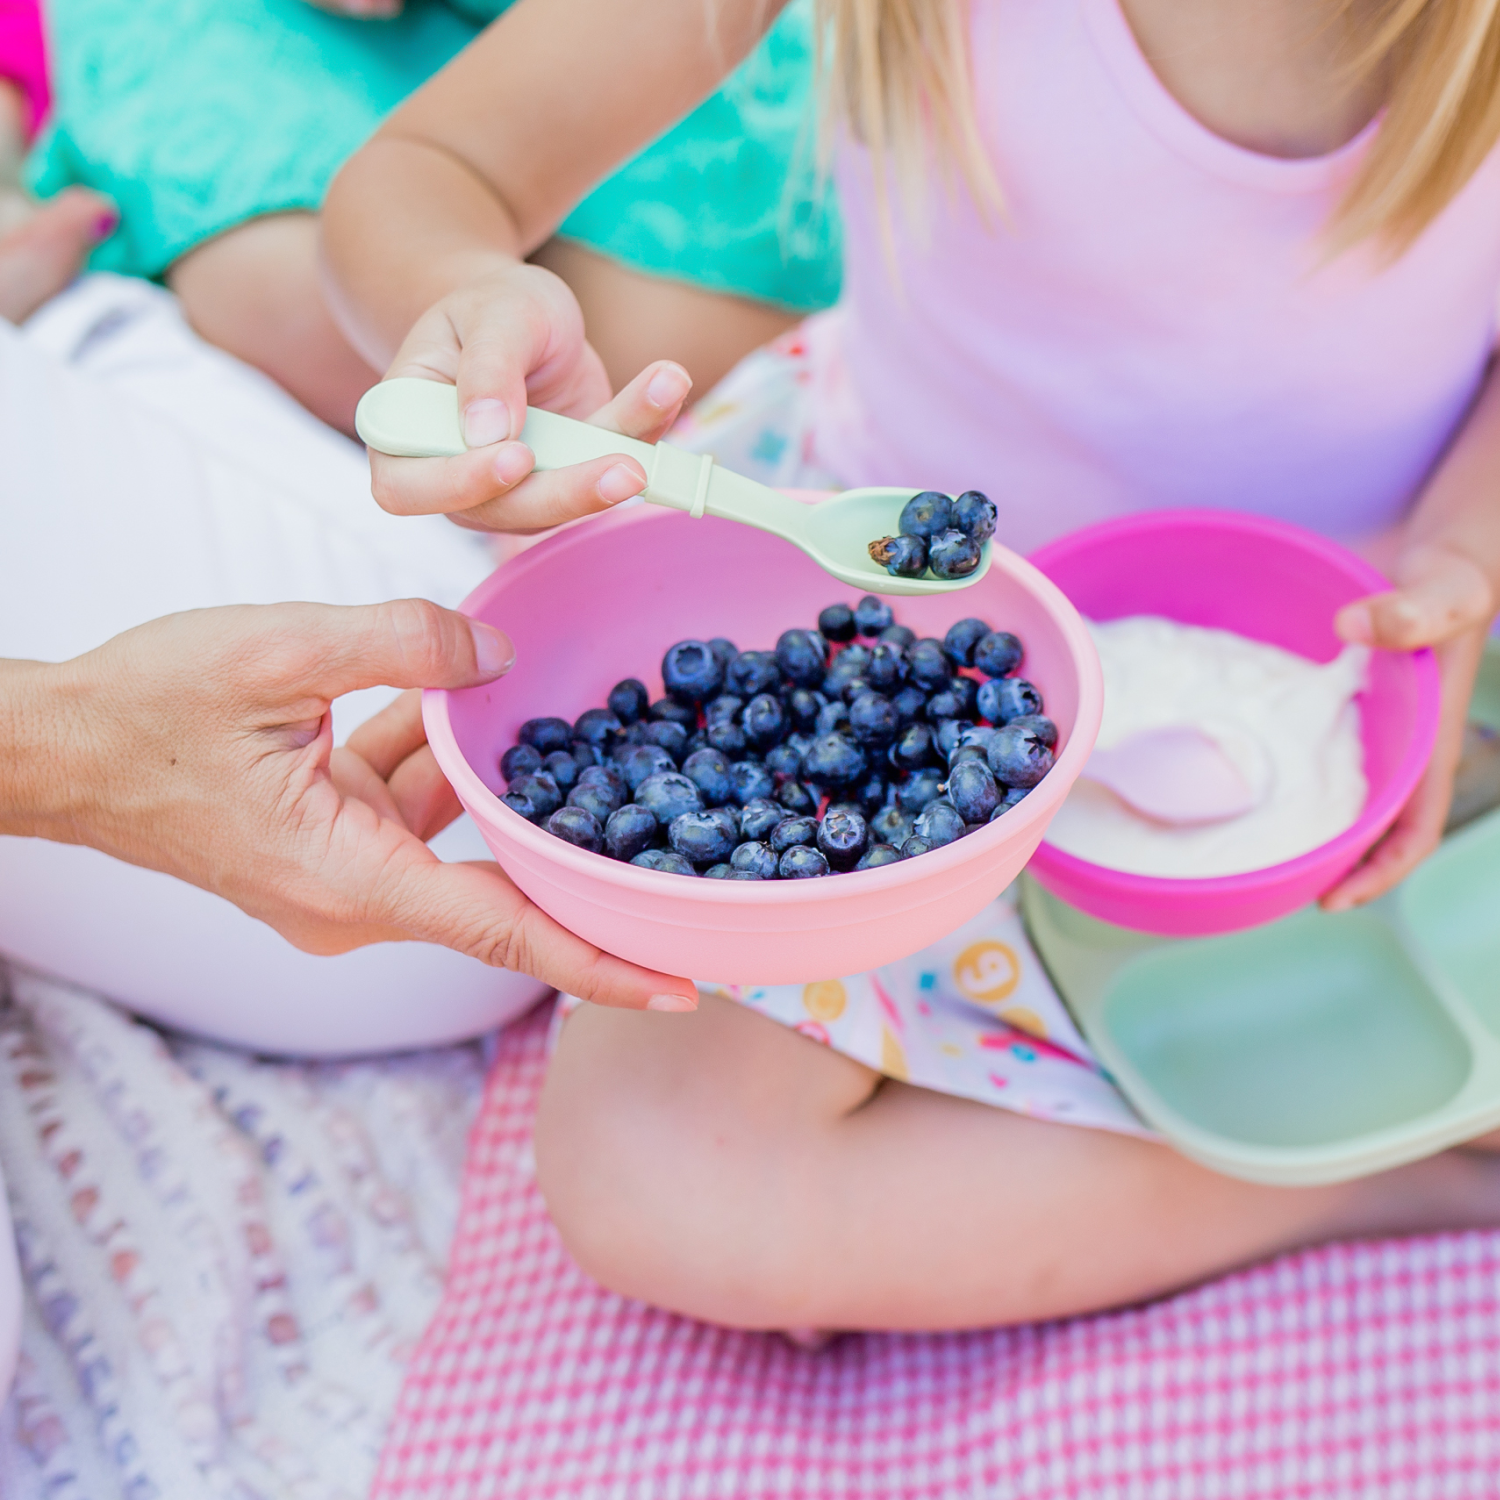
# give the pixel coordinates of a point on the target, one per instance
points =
(603, 601)
(1272, 582)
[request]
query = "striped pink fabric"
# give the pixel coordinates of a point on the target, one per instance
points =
(1353, 1371)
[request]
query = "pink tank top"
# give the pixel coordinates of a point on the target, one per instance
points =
(1153, 324)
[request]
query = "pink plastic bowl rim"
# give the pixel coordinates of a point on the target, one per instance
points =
(1380, 811)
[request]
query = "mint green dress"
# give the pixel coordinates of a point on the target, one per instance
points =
(195, 115)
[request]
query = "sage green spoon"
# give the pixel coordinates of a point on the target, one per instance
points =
(419, 419)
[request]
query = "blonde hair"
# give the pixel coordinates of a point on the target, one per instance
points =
(898, 73)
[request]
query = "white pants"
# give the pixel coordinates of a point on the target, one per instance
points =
(142, 472)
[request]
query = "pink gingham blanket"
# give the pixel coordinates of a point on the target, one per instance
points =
(1368, 1370)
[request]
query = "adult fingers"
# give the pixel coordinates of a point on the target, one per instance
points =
(356, 777)
(385, 740)
(1441, 594)
(427, 803)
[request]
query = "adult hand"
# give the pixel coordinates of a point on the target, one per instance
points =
(1443, 599)
(512, 338)
(201, 745)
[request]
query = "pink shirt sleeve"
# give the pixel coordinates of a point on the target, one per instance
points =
(21, 56)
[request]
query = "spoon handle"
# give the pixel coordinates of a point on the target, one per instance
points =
(411, 418)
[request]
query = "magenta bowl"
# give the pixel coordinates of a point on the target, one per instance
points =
(603, 600)
(1272, 582)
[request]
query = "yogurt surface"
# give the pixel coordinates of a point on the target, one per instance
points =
(1290, 725)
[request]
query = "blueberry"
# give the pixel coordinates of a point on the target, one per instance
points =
(597, 727)
(541, 791)
(913, 794)
(668, 736)
(927, 514)
(998, 654)
(953, 554)
(724, 650)
(520, 760)
(728, 738)
(784, 760)
(962, 752)
(900, 556)
(792, 831)
(749, 780)
(691, 672)
(877, 855)
(1019, 756)
(872, 615)
(597, 801)
(700, 837)
(913, 747)
(961, 639)
(678, 713)
(797, 797)
(576, 826)
(605, 776)
(927, 665)
(801, 863)
(843, 836)
(951, 703)
(972, 790)
(891, 826)
(975, 513)
(872, 793)
(910, 704)
(887, 668)
(759, 816)
(802, 708)
(563, 769)
(939, 823)
(668, 794)
(697, 740)
(844, 681)
(831, 716)
(945, 737)
(914, 846)
(719, 871)
(802, 655)
(629, 830)
(857, 655)
(708, 770)
(668, 861)
(585, 756)
(799, 742)
(628, 700)
(1012, 796)
(873, 720)
(519, 804)
(764, 721)
(641, 761)
(1041, 726)
(836, 623)
(1002, 699)
(546, 735)
(834, 760)
(724, 709)
(741, 874)
(898, 635)
(760, 859)
(752, 672)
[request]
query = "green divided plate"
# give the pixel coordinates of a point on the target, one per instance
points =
(1314, 1049)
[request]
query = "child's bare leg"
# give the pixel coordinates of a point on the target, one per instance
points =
(720, 1165)
(633, 318)
(255, 292)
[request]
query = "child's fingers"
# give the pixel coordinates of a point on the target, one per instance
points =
(442, 486)
(650, 404)
(1412, 837)
(549, 499)
(1441, 595)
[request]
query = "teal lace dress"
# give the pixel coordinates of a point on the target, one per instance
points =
(195, 115)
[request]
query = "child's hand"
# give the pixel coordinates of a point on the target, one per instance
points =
(510, 339)
(1443, 599)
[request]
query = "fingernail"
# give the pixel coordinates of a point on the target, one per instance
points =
(1356, 626)
(619, 482)
(668, 387)
(672, 1002)
(104, 225)
(494, 654)
(513, 463)
(486, 421)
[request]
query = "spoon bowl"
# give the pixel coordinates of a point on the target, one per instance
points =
(410, 418)
(1175, 775)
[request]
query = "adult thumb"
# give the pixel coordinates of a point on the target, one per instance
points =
(405, 643)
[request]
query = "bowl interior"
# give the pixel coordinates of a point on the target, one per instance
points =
(604, 600)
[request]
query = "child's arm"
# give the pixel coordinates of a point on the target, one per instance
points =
(426, 228)
(1447, 576)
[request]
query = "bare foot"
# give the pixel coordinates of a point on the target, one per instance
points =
(44, 251)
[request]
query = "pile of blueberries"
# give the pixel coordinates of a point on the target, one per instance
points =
(828, 754)
(940, 533)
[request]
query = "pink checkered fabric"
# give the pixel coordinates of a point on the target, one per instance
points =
(1368, 1371)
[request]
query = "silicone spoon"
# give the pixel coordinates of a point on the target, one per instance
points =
(411, 418)
(1174, 775)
